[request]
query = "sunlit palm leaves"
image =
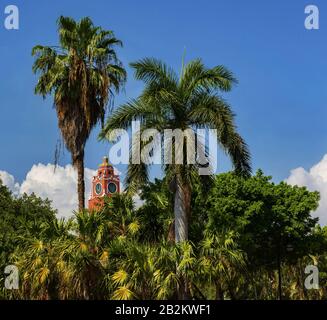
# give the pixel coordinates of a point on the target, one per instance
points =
(220, 258)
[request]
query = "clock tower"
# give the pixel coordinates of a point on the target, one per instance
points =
(105, 183)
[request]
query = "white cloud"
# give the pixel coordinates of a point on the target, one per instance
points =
(138, 202)
(58, 185)
(315, 180)
(9, 181)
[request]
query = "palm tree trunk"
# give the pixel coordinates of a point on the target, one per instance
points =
(181, 233)
(279, 269)
(182, 206)
(79, 163)
(171, 232)
(219, 292)
(280, 295)
(181, 217)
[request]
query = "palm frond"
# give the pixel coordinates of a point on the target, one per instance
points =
(152, 70)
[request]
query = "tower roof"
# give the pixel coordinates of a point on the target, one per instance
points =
(105, 162)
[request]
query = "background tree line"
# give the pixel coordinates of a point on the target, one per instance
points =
(249, 239)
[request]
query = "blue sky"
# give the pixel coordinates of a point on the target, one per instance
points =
(280, 100)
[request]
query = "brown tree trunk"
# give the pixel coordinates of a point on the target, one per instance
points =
(181, 221)
(279, 269)
(219, 292)
(183, 290)
(171, 232)
(79, 163)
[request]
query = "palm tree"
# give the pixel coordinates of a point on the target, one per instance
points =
(42, 264)
(123, 220)
(187, 102)
(135, 263)
(81, 74)
(219, 258)
(67, 259)
(151, 271)
(174, 275)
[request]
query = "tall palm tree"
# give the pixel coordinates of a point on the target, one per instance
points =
(188, 101)
(81, 74)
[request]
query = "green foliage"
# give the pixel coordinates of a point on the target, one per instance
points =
(156, 214)
(20, 219)
(273, 219)
(242, 225)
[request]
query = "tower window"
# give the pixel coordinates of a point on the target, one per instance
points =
(112, 188)
(98, 188)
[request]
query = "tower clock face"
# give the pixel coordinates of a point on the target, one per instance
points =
(112, 188)
(98, 188)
